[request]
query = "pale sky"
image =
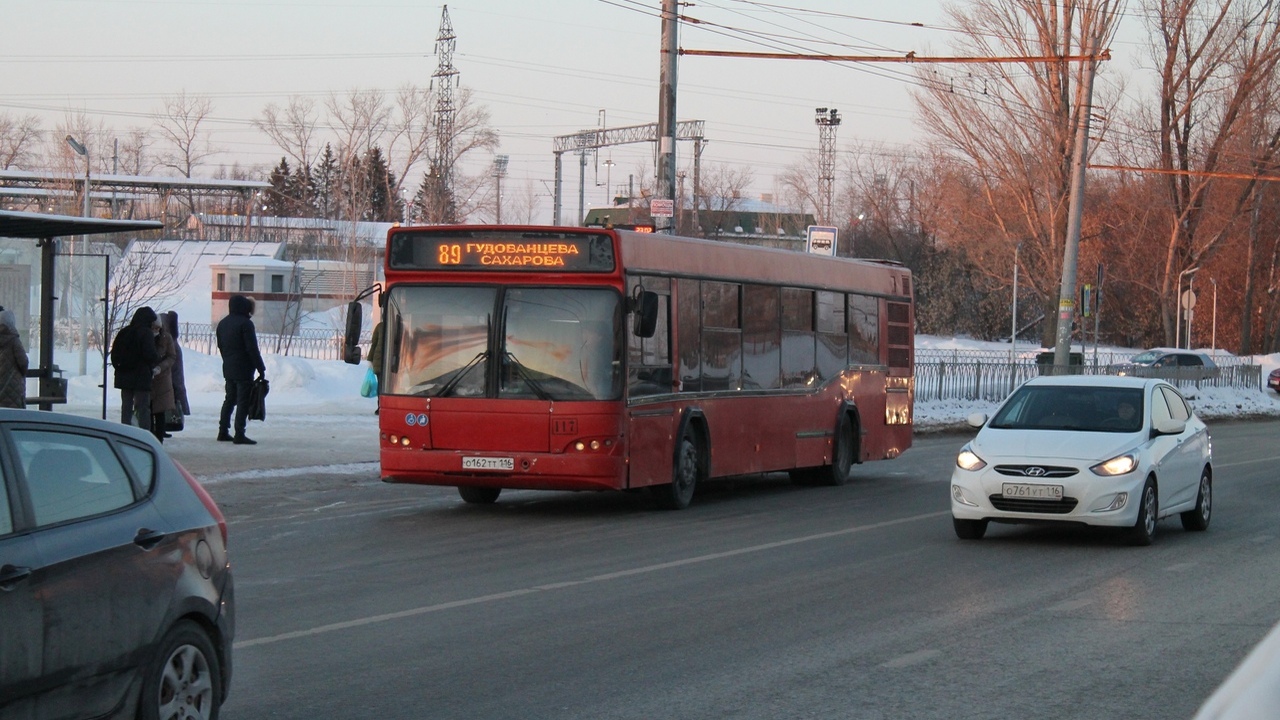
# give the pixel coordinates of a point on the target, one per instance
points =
(543, 68)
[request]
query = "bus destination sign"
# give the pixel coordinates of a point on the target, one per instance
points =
(501, 251)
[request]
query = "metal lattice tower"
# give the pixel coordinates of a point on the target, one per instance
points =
(444, 80)
(827, 122)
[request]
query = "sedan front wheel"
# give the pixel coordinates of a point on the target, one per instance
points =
(1144, 528)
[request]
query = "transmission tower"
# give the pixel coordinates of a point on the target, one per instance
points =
(441, 208)
(827, 122)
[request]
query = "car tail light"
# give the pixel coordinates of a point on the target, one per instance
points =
(209, 504)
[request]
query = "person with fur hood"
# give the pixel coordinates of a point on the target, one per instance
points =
(134, 357)
(162, 397)
(238, 345)
(13, 363)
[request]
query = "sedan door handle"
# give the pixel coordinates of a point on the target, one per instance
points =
(147, 539)
(11, 575)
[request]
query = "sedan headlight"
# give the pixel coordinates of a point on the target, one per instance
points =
(968, 460)
(1118, 465)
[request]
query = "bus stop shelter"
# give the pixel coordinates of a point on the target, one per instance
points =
(45, 230)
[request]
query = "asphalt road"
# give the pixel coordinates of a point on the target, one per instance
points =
(763, 600)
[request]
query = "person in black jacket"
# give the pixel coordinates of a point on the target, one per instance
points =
(135, 357)
(238, 345)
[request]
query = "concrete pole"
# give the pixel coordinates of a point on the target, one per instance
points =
(555, 212)
(1075, 214)
(667, 112)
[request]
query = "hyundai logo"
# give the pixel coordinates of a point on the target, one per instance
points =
(1034, 471)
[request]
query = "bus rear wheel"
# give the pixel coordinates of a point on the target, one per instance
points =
(843, 450)
(479, 495)
(684, 477)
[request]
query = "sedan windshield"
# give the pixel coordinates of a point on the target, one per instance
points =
(517, 342)
(1088, 409)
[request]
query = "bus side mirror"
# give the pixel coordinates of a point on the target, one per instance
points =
(351, 342)
(646, 309)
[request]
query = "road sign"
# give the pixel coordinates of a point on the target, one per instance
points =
(662, 207)
(1188, 300)
(822, 240)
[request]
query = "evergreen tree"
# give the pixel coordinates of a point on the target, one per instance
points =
(380, 183)
(278, 198)
(325, 181)
(302, 192)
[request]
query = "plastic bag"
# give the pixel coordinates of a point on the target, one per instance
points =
(369, 388)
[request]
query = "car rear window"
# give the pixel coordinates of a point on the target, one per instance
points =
(143, 463)
(71, 476)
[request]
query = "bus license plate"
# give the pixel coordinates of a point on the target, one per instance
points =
(488, 463)
(1032, 492)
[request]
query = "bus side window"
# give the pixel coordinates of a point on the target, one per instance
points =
(798, 351)
(649, 359)
(689, 333)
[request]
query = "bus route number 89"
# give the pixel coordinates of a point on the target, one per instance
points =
(450, 254)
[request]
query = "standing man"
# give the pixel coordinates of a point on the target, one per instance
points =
(134, 357)
(238, 345)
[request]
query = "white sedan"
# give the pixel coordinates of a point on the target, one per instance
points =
(1093, 450)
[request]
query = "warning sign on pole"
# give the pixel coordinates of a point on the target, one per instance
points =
(662, 207)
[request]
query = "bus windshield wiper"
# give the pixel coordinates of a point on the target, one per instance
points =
(528, 378)
(453, 382)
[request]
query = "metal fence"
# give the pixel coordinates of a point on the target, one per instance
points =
(314, 344)
(940, 374)
(993, 380)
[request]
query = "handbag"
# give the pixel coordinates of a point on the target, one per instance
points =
(258, 399)
(173, 420)
(369, 388)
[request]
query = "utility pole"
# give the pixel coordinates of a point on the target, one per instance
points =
(446, 118)
(667, 111)
(1075, 216)
(827, 122)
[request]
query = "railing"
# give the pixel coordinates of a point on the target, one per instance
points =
(994, 380)
(313, 344)
(965, 375)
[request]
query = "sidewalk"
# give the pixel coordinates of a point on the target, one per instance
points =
(284, 441)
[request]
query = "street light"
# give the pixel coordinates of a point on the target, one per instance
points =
(1013, 333)
(499, 171)
(83, 151)
(1177, 334)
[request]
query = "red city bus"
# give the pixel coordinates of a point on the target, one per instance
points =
(603, 359)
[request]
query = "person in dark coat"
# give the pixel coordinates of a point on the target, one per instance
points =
(170, 322)
(238, 345)
(13, 363)
(162, 383)
(134, 357)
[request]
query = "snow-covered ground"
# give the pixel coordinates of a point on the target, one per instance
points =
(328, 391)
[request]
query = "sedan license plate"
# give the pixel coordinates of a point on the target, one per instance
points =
(1027, 491)
(488, 463)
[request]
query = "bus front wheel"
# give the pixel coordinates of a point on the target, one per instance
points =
(684, 477)
(479, 495)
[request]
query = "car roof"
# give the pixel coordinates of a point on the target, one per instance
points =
(1120, 381)
(11, 415)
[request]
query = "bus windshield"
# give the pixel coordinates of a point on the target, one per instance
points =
(514, 342)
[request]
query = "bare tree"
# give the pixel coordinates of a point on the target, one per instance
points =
(292, 128)
(1216, 59)
(719, 196)
(19, 142)
(185, 145)
(1014, 124)
(144, 276)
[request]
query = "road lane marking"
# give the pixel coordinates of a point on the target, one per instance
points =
(910, 659)
(1246, 462)
(1070, 605)
(603, 577)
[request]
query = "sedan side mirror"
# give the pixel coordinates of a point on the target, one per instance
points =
(1168, 426)
(977, 420)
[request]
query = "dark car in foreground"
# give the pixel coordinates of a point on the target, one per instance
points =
(116, 597)
(1169, 365)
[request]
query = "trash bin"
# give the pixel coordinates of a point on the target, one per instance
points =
(1075, 363)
